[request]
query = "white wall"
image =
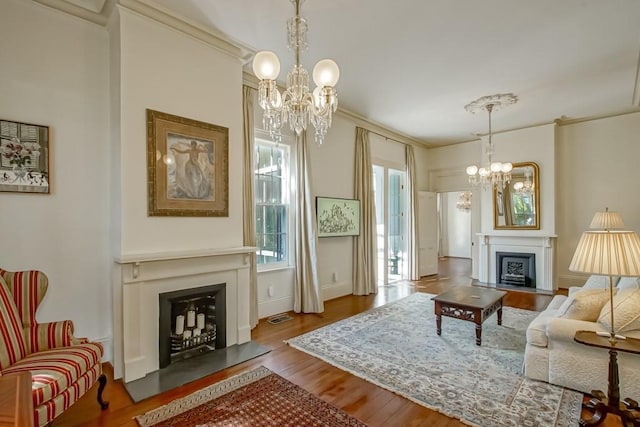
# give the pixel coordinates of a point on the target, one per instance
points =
(597, 168)
(54, 72)
(168, 71)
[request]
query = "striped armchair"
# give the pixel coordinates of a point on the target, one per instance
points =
(62, 367)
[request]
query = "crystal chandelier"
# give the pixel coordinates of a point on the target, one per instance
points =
(525, 187)
(496, 174)
(297, 104)
(464, 201)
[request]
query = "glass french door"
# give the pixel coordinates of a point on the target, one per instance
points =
(391, 208)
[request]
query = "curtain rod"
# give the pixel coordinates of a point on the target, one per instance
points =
(385, 136)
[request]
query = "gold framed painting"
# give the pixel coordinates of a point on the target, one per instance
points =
(187, 167)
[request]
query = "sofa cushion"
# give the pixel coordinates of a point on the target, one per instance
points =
(626, 311)
(599, 282)
(537, 329)
(53, 371)
(585, 304)
(628, 283)
(12, 345)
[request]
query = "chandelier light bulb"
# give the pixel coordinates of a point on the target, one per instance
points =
(507, 167)
(483, 172)
(518, 185)
(266, 65)
(472, 170)
(326, 73)
(496, 167)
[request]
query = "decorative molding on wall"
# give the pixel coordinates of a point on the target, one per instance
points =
(636, 87)
(449, 179)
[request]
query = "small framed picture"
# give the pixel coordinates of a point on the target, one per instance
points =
(24, 157)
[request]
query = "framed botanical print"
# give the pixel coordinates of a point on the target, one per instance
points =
(24, 157)
(187, 166)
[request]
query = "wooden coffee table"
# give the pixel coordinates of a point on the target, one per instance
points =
(469, 303)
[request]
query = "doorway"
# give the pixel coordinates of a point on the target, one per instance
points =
(391, 228)
(454, 226)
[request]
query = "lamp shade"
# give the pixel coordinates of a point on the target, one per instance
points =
(615, 253)
(606, 221)
(326, 73)
(266, 65)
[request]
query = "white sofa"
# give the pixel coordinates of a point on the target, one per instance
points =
(553, 356)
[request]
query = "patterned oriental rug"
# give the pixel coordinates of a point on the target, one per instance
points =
(252, 399)
(396, 347)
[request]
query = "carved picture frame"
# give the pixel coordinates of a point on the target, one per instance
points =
(187, 167)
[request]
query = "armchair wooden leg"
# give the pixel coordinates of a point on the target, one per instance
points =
(102, 379)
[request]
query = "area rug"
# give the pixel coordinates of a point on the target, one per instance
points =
(396, 347)
(255, 398)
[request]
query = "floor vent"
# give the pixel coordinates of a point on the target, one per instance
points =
(279, 318)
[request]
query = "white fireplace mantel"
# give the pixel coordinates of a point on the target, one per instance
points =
(543, 246)
(140, 278)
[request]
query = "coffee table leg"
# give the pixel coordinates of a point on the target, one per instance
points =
(477, 319)
(438, 318)
(500, 314)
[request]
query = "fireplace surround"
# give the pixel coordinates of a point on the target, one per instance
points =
(541, 245)
(141, 278)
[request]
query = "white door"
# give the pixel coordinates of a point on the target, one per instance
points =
(428, 230)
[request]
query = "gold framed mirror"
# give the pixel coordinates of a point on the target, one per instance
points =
(517, 205)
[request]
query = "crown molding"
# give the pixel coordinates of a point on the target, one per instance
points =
(99, 17)
(208, 35)
(151, 10)
(564, 122)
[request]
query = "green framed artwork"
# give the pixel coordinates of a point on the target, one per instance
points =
(337, 217)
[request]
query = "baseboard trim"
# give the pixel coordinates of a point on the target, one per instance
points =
(336, 290)
(275, 306)
(107, 345)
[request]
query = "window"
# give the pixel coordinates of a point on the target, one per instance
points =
(272, 203)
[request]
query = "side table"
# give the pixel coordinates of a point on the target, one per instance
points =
(602, 405)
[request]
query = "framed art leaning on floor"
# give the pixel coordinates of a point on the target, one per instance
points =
(187, 167)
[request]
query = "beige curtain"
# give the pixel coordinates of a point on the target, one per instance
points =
(365, 260)
(248, 202)
(307, 297)
(412, 220)
(506, 203)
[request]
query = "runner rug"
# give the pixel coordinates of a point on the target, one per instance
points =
(255, 398)
(396, 347)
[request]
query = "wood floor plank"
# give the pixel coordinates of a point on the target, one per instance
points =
(367, 402)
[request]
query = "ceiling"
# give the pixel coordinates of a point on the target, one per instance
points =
(412, 65)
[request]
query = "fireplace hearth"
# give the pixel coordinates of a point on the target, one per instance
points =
(516, 269)
(191, 322)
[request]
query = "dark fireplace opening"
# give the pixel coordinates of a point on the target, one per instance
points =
(516, 269)
(192, 322)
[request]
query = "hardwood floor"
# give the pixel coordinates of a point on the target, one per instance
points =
(371, 404)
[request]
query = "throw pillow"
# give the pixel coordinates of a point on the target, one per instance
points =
(585, 304)
(626, 311)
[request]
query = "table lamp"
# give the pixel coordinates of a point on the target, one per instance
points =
(608, 251)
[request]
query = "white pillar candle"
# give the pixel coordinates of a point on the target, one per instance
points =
(191, 319)
(196, 332)
(187, 334)
(201, 321)
(179, 324)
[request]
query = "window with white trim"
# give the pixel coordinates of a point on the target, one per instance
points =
(272, 196)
